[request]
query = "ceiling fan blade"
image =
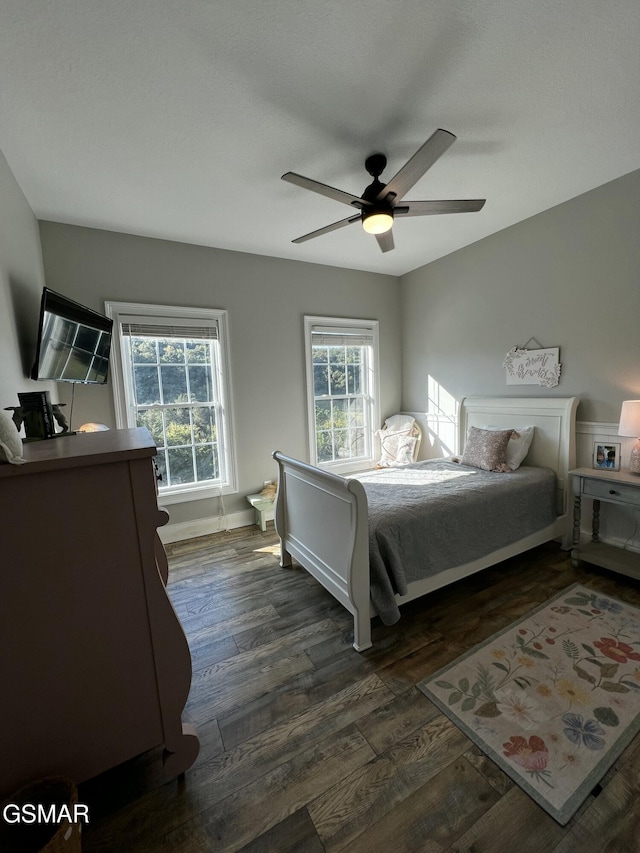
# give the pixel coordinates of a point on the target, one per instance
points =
(426, 208)
(417, 165)
(385, 241)
(323, 189)
(327, 229)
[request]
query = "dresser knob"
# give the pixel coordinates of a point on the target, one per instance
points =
(612, 492)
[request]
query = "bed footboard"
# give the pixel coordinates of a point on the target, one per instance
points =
(322, 522)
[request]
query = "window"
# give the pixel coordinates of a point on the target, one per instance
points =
(342, 378)
(171, 376)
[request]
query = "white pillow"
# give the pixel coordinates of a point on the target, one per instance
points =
(396, 448)
(518, 446)
(10, 441)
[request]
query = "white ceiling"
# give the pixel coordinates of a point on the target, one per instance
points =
(177, 119)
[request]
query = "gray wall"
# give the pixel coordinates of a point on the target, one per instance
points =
(21, 281)
(570, 277)
(266, 299)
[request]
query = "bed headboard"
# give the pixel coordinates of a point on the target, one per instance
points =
(554, 438)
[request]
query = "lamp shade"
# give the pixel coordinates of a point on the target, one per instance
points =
(630, 419)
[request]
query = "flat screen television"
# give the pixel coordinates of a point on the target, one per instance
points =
(74, 342)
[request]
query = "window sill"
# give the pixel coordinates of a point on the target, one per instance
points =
(343, 469)
(198, 494)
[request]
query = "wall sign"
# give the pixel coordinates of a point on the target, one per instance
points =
(533, 366)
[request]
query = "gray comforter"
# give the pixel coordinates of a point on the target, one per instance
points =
(431, 516)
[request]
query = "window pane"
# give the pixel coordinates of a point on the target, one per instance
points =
(206, 462)
(174, 383)
(341, 443)
(152, 420)
(177, 426)
(338, 383)
(147, 385)
(198, 352)
(320, 355)
(323, 415)
(321, 380)
(356, 411)
(200, 383)
(324, 446)
(204, 424)
(180, 462)
(340, 410)
(143, 350)
(171, 352)
(354, 379)
(336, 355)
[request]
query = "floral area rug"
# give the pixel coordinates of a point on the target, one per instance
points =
(554, 698)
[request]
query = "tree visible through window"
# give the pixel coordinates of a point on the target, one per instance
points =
(342, 379)
(176, 400)
(173, 382)
(339, 402)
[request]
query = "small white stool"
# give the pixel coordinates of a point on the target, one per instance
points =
(263, 509)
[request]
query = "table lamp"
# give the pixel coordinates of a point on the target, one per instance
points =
(630, 426)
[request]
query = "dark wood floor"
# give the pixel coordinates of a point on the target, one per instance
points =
(307, 745)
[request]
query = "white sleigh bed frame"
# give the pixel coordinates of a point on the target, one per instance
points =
(322, 518)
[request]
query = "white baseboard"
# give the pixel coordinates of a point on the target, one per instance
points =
(205, 526)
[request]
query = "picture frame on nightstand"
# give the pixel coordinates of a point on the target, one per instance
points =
(606, 456)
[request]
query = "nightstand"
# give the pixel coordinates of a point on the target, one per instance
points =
(614, 487)
(263, 508)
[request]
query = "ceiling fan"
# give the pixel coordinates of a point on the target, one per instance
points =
(378, 205)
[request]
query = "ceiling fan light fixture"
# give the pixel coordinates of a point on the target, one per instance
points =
(380, 203)
(378, 222)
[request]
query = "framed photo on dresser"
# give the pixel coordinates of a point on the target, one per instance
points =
(606, 456)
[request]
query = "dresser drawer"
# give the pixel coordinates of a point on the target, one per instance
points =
(609, 491)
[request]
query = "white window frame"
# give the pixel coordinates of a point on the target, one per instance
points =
(122, 387)
(344, 325)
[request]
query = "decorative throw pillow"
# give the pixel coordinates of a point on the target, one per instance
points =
(518, 446)
(10, 441)
(486, 449)
(406, 449)
(396, 448)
